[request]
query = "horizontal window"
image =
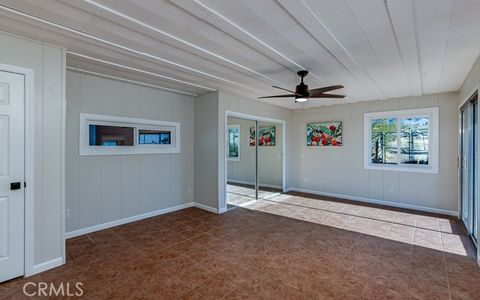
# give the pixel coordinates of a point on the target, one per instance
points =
(113, 135)
(402, 140)
(154, 137)
(100, 135)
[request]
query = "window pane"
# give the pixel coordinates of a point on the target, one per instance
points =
(384, 141)
(233, 142)
(100, 135)
(414, 141)
(154, 137)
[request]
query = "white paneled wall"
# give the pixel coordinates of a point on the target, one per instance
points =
(206, 154)
(101, 189)
(340, 170)
(47, 64)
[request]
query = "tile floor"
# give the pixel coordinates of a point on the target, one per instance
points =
(240, 194)
(289, 247)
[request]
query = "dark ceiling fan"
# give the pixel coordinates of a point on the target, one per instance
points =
(302, 93)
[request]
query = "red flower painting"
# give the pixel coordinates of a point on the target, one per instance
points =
(324, 134)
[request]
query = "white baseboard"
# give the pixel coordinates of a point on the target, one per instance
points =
(376, 201)
(98, 227)
(222, 210)
(42, 267)
(206, 207)
(273, 186)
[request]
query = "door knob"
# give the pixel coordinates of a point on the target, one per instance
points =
(15, 186)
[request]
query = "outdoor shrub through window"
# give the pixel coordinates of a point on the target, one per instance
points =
(384, 141)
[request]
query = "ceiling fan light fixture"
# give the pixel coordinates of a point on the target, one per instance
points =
(302, 93)
(301, 99)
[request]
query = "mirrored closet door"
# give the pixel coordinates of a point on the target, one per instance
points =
(254, 152)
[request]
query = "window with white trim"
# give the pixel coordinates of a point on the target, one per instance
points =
(114, 135)
(405, 140)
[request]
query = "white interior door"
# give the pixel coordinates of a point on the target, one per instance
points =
(12, 196)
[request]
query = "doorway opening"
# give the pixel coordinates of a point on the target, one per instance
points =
(254, 154)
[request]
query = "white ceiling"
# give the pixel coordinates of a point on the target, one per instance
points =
(378, 49)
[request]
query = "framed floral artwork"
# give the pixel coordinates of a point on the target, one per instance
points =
(324, 134)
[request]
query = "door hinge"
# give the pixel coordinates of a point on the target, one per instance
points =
(24, 184)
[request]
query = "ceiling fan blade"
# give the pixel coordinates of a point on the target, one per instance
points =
(280, 88)
(325, 89)
(327, 96)
(279, 96)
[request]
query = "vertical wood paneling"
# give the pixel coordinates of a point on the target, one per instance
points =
(73, 92)
(111, 97)
(164, 106)
(360, 184)
(131, 100)
(391, 186)
(109, 188)
(148, 179)
(148, 104)
(408, 195)
(177, 174)
(52, 151)
(375, 184)
(206, 157)
(72, 176)
(448, 174)
(91, 101)
(428, 191)
(35, 58)
(162, 187)
(90, 174)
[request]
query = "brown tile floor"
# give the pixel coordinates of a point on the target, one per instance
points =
(290, 247)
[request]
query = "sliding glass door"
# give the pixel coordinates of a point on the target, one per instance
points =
(475, 169)
(469, 166)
